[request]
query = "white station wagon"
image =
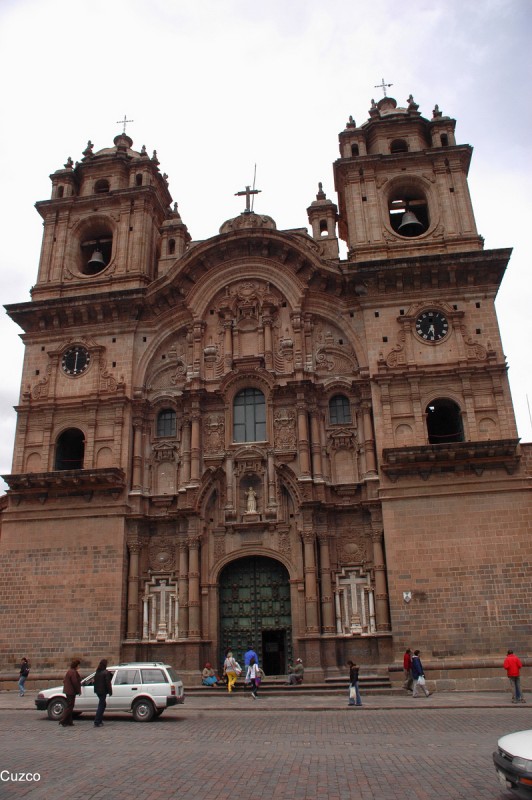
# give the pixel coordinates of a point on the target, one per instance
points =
(144, 689)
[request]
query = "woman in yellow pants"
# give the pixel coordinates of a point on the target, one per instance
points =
(231, 669)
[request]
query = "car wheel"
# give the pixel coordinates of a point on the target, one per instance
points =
(56, 708)
(143, 711)
(158, 712)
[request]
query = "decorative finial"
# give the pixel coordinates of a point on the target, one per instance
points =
(155, 159)
(88, 149)
(351, 122)
(69, 163)
(373, 103)
(436, 113)
(412, 106)
(321, 193)
(143, 150)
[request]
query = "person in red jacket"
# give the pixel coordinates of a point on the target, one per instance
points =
(513, 666)
(407, 669)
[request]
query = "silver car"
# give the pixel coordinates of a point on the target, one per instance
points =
(144, 689)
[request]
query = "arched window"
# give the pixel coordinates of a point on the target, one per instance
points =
(101, 186)
(444, 422)
(444, 139)
(399, 146)
(339, 410)
(354, 149)
(249, 416)
(166, 422)
(138, 179)
(171, 247)
(60, 191)
(70, 450)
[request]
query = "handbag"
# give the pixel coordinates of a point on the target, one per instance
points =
(421, 680)
(352, 693)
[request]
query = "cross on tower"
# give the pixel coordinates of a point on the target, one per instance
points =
(124, 122)
(248, 192)
(383, 86)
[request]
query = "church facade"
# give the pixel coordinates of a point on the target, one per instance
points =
(250, 440)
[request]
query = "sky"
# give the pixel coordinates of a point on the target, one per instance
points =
(217, 86)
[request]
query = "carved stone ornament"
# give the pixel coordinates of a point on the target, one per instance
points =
(284, 428)
(164, 451)
(161, 552)
(343, 439)
(214, 433)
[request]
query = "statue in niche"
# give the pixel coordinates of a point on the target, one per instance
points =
(252, 501)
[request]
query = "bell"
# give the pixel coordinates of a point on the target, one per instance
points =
(96, 261)
(410, 225)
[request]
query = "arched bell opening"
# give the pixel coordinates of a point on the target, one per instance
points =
(70, 450)
(444, 422)
(408, 211)
(96, 247)
(255, 610)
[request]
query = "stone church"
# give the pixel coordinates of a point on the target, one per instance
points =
(251, 440)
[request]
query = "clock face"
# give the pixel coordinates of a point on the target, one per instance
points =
(432, 326)
(75, 360)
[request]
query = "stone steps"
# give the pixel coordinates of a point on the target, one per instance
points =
(369, 684)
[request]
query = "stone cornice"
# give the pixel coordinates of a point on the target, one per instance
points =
(427, 460)
(61, 483)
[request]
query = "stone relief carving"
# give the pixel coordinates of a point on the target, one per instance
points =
(161, 554)
(332, 353)
(284, 428)
(214, 433)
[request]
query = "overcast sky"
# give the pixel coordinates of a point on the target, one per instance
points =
(216, 86)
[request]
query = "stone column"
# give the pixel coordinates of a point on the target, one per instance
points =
(272, 499)
(327, 600)
(382, 608)
(185, 456)
(183, 589)
(228, 345)
(136, 479)
(302, 438)
(229, 480)
(194, 622)
(268, 348)
(317, 469)
(195, 445)
(311, 584)
(134, 548)
(369, 439)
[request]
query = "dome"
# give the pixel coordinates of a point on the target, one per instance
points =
(248, 219)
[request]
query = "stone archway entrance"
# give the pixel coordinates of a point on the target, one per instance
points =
(255, 610)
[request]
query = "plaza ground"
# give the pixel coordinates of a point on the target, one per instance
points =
(292, 748)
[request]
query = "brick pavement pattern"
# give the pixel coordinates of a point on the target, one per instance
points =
(214, 749)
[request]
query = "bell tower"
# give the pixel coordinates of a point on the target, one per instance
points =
(402, 185)
(102, 223)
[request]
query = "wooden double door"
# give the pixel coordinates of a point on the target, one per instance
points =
(255, 611)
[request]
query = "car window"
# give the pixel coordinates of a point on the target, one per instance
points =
(174, 677)
(89, 681)
(154, 676)
(124, 677)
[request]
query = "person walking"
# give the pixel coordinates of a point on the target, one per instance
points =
(253, 677)
(248, 655)
(407, 669)
(102, 687)
(418, 675)
(232, 669)
(24, 671)
(71, 688)
(513, 667)
(354, 693)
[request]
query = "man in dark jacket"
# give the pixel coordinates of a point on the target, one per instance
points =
(71, 687)
(102, 687)
(418, 675)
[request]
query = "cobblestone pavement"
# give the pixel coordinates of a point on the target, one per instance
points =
(294, 748)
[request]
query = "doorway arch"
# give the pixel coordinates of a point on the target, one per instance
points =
(255, 609)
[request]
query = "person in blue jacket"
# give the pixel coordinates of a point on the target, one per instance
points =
(418, 675)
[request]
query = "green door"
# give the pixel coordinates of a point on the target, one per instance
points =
(255, 610)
